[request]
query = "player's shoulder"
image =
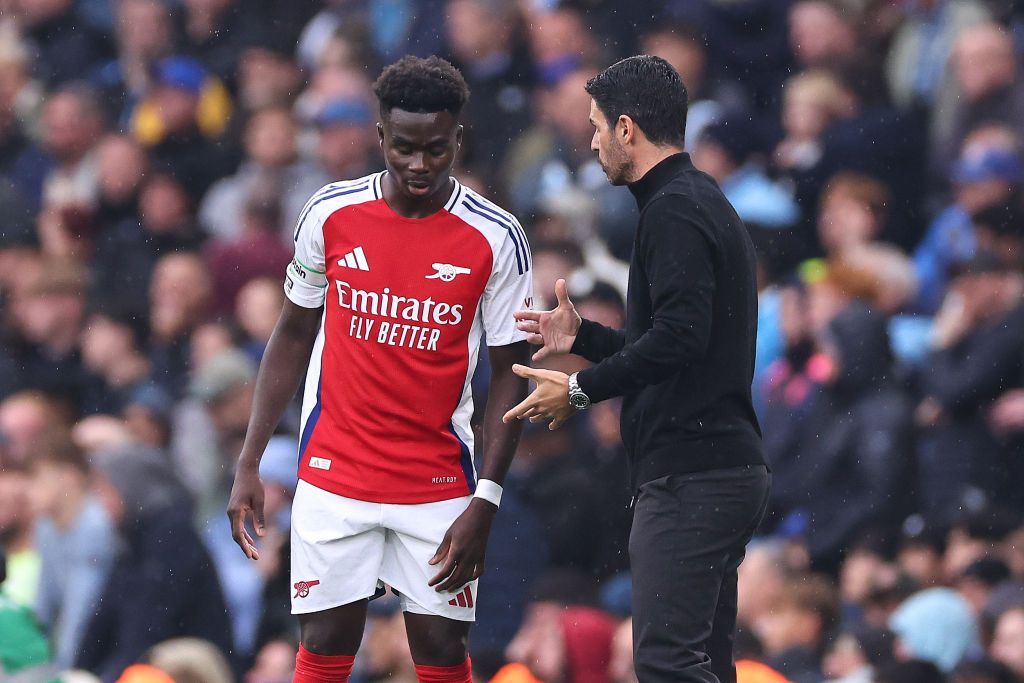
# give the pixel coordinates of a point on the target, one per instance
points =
(495, 223)
(338, 195)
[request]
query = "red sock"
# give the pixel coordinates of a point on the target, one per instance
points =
(314, 668)
(460, 673)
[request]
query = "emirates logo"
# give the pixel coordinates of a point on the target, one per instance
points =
(302, 588)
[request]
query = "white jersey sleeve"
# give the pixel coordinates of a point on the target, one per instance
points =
(305, 281)
(509, 289)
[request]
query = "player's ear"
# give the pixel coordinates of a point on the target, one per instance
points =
(458, 136)
(380, 133)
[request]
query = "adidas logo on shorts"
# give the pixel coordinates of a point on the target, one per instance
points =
(463, 599)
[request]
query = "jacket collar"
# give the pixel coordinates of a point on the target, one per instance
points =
(656, 178)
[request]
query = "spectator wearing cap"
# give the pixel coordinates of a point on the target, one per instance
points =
(182, 121)
(163, 584)
(345, 139)
(977, 582)
(975, 353)
(936, 625)
(271, 160)
(76, 541)
(987, 173)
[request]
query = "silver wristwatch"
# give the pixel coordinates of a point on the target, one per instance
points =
(577, 399)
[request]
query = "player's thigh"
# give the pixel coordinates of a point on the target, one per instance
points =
(436, 641)
(336, 631)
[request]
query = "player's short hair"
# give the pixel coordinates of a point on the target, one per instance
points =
(648, 90)
(421, 85)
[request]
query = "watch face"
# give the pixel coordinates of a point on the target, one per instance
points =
(579, 401)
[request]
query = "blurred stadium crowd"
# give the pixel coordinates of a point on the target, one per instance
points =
(154, 155)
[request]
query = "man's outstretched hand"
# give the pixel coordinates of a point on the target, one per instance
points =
(549, 401)
(553, 331)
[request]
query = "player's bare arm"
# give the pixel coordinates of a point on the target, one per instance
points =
(553, 331)
(280, 373)
(461, 554)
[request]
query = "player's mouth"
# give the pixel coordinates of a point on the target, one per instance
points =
(418, 187)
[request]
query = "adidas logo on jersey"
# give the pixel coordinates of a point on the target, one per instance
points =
(355, 259)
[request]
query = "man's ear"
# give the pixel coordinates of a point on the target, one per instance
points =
(458, 136)
(625, 129)
(380, 133)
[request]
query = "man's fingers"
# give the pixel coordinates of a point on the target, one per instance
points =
(527, 372)
(519, 410)
(442, 550)
(528, 315)
(446, 570)
(541, 354)
(535, 339)
(556, 423)
(527, 325)
(562, 293)
(259, 523)
(458, 578)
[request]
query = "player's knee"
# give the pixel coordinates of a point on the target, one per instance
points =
(439, 647)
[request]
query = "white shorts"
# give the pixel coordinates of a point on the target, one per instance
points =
(345, 550)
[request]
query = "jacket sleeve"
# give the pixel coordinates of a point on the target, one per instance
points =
(676, 255)
(595, 342)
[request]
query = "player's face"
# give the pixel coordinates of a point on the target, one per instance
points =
(612, 156)
(419, 150)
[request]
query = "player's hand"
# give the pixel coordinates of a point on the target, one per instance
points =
(553, 331)
(549, 401)
(246, 497)
(461, 553)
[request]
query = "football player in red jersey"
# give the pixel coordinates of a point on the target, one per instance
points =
(397, 279)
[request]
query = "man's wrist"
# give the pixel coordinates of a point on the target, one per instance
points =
(489, 490)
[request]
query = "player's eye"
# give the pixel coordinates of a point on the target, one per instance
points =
(438, 151)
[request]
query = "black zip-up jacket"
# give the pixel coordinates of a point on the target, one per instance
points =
(685, 361)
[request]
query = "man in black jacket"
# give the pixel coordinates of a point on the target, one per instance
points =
(683, 364)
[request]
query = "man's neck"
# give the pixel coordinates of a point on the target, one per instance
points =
(649, 157)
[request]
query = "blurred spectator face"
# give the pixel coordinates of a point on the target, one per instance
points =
(177, 108)
(540, 643)
(258, 308)
(344, 145)
(52, 315)
(275, 663)
(70, 127)
(179, 295)
(961, 551)
(144, 29)
(711, 157)
(270, 138)
(621, 669)
(105, 342)
(824, 302)
(560, 34)
(122, 165)
(266, 79)
(858, 575)
(145, 426)
(921, 562)
(798, 616)
(843, 658)
(207, 7)
(23, 419)
(101, 432)
(478, 28)
(207, 341)
(817, 32)
(570, 105)
(50, 484)
(811, 101)
(762, 577)
(164, 206)
(1008, 643)
(983, 61)
(851, 212)
(684, 52)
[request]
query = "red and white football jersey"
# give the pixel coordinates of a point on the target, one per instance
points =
(388, 401)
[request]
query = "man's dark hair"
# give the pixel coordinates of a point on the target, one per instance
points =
(648, 90)
(421, 85)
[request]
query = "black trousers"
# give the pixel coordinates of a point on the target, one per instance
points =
(690, 533)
